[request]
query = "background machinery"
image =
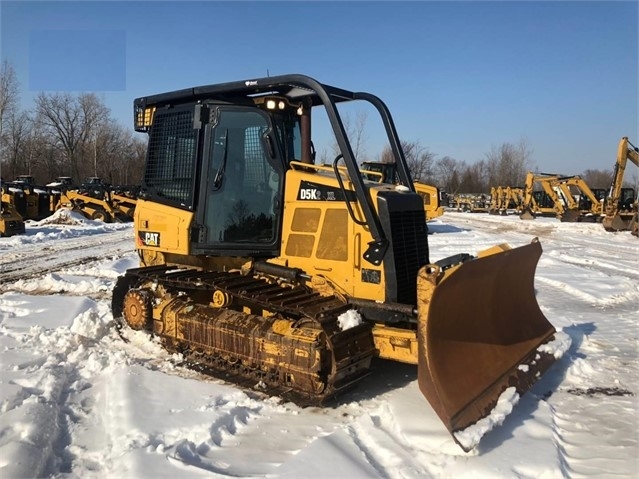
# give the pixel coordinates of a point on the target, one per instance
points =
(32, 202)
(547, 201)
(504, 198)
(621, 203)
(94, 199)
(11, 222)
(470, 202)
(434, 199)
(268, 270)
(584, 203)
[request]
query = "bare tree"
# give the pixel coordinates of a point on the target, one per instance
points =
(449, 172)
(597, 178)
(356, 134)
(72, 123)
(420, 161)
(116, 153)
(9, 96)
(419, 158)
(508, 164)
(474, 178)
(16, 137)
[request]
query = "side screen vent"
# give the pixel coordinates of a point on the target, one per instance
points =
(404, 222)
(170, 161)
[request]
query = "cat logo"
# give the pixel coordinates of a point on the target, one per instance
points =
(310, 194)
(149, 239)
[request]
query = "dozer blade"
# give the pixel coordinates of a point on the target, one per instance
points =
(479, 328)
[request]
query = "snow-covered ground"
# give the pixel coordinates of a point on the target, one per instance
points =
(77, 401)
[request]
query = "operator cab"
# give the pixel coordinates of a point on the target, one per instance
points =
(222, 151)
(233, 166)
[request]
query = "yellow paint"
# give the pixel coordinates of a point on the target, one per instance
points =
(395, 344)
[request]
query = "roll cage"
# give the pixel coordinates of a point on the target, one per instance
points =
(307, 93)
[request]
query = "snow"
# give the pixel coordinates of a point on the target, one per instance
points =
(471, 436)
(349, 319)
(78, 401)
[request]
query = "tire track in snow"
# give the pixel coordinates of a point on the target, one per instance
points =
(28, 260)
(383, 449)
(587, 445)
(55, 378)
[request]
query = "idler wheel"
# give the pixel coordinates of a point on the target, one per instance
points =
(137, 310)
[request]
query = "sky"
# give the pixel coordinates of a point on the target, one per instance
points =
(78, 401)
(459, 77)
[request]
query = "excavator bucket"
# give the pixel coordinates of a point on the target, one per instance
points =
(616, 223)
(570, 216)
(479, 330)
(527, 214)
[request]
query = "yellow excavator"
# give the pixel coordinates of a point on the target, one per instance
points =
(496, 200)
(504, 198)
(387, 173)
(581, 201)
(548, 201)
(270, 271)
(621, 203)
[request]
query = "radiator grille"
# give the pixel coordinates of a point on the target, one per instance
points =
(410, 251)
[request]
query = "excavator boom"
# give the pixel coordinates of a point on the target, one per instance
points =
(621, 213)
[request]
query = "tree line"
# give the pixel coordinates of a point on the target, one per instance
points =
(75, 135)
(64, 134)
(504, 165)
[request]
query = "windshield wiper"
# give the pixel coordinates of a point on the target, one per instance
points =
(219, 174)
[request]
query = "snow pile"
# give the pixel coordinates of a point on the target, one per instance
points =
(349, 319)
(470, 437)
(63, 216)
(558, 346)
(56, 283)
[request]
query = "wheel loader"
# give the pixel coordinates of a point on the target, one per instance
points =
(270, 271)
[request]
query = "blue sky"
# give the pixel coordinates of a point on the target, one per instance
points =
(459, 77)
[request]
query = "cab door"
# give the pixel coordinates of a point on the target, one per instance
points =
(242, 187)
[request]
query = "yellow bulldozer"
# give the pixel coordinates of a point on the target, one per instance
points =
(270, 271)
